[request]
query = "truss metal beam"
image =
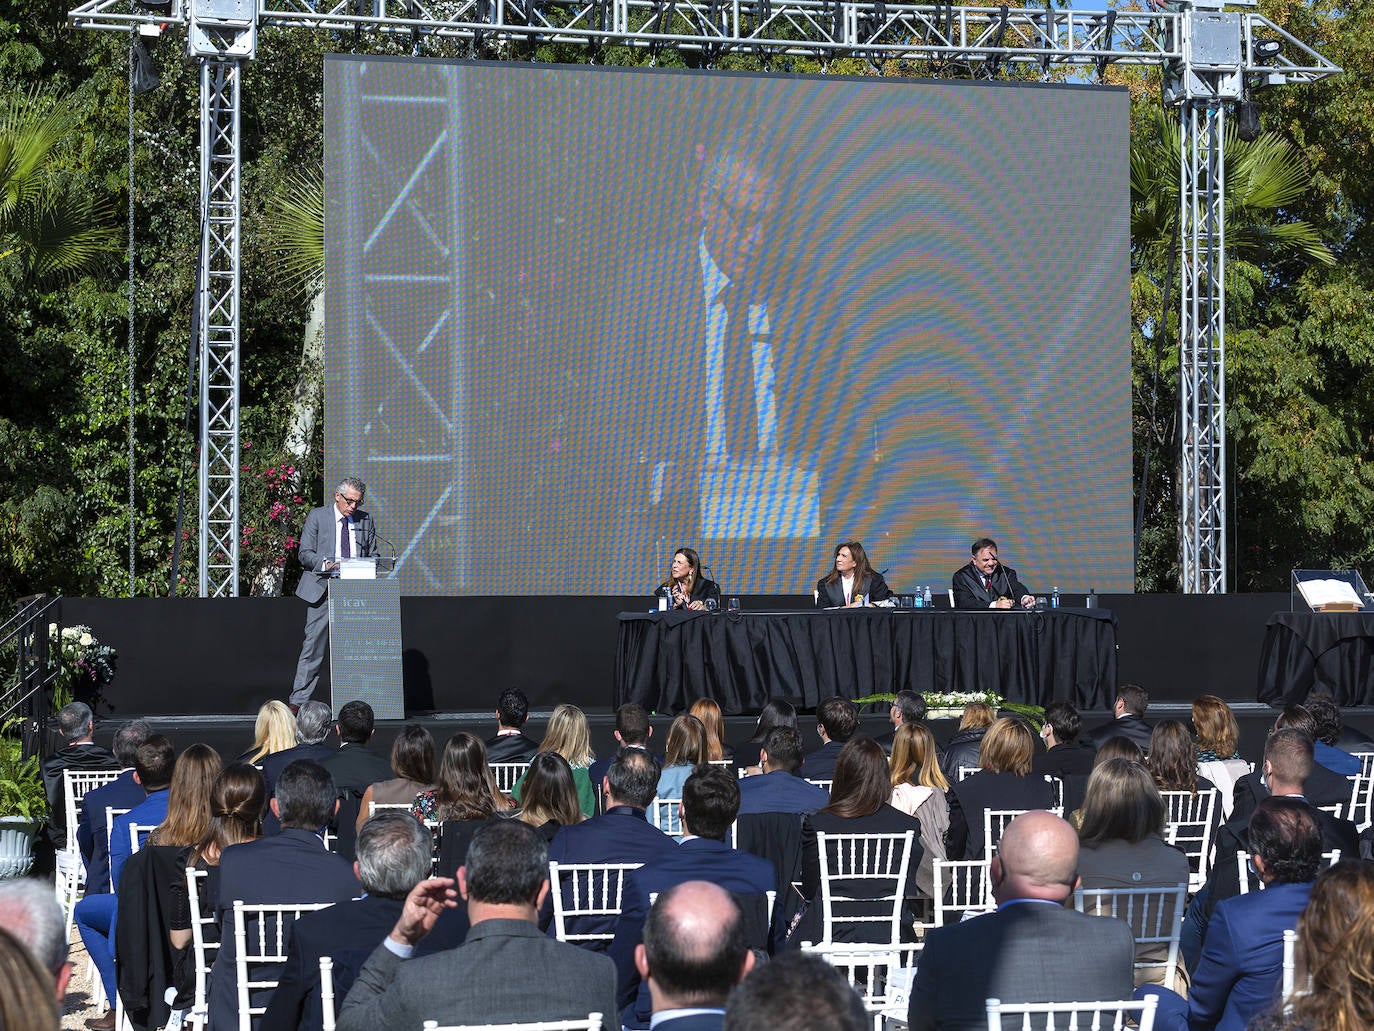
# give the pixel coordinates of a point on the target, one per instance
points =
(1208, 53)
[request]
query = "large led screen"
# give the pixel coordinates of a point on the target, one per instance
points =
(578, 317)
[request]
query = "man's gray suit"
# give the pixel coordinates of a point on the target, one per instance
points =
(318, 537)
(505, 971)
(1025, 952)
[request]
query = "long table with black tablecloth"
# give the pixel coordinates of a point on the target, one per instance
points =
(1306, 651)
(667, 660)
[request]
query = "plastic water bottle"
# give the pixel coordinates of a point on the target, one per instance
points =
(918, 601)
(1054, 597)
(929, 602)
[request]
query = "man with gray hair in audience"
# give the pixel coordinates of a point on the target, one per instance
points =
(76, 724)
(393, 856)
(313, 723)
(29, 911)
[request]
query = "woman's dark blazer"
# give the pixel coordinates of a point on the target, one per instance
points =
(831, 595)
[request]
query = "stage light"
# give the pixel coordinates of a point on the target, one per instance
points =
(1265, 50)
(1247, 121)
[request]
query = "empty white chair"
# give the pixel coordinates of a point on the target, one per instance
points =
(1074, 1016)
(260, 933)
(593, 1022)
(863, 867)
(582, 890)
(962, 889)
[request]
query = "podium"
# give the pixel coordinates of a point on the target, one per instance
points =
(365, 645)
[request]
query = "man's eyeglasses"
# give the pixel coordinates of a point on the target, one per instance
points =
(350, 502)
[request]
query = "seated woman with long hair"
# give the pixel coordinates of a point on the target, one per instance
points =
(919, 790)
(859, 804)
(465, 796)
(685, 587)
(775, 713)
(274, 731)
(1004, 782)
(1172, 760)
(1336, 952)
(412, 760)
(569, 735)
(852, 581)
(549, 798)
(1218, 757)
(1121, 843)
(708, 711)
(686, 748)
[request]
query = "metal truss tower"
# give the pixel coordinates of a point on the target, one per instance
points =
(1211, 57)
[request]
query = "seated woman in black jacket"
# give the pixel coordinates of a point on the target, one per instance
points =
(851, 582)
(684, 586)
(1004, 782)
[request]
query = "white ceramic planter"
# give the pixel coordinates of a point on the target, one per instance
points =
(16, 846)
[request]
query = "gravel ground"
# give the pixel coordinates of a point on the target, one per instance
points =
(80, 1002)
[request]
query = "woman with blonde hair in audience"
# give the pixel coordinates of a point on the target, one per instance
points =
(919, 790)
(412, 760)
(963, 747)
(29, 1001)
(1004, 782)
(708, 711)
(274, 731)
(549, 797)
(1336, 951)
(1218, 757)
(1172, 760)
(569, 734)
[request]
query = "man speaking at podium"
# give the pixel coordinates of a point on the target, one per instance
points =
(331, 532)
(985, 583)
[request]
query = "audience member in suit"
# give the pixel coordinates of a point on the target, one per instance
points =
(1287, 764)
(779, 789)
(775, 713)
(858, 805)
(30, 912)
(1033, 948)
(1004, 782)
(1128, 719)
(851, 581)
(1320, 787)
(505, 971)
(290, 867)
(124, 792)
(797, 991)
(510, 745)
(355, 768)
(620, 834)
(695, 950)
(907, 707)
(393, 857)
(79, 752)
(412, 760)
(632, 730)
(837, 720)
(710, 803)
(919, 789)
(984, 583)
(96, 916)
(1065, 756)
(1326, 750)
(1335, 941)
(312, 727)
(1238, 975)
(962, 749)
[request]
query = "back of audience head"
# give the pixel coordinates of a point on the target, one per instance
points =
(1285, 836)
(782, 750)
(838, 718)
(466, 789)
(1121, 804)
(910, 705)
(797, 991)
(1297, 717)
(1173, 760)
(1133, 699)
(507, 864)
(687, 744)
(861, 786)
(694, 947)
(1118, 747)
(75, 722)
(274, 731)
(1326, 719)
(915, 759)
(1216, 726)
(188, 800)
(632, 778)
(30, 912)
(306, 796)
(1287, 760)
(977, 716)
(569, 735)
(775, 713)
(312, 723)
(154, 762)
(127, 739)
(710, 802)
(1007, 747)
(393, 854)
(632, 724)
(512, 708)
(1336, 945)
(355, 723)
(28, 1002)
(237, 799)
(1037, 858)
(708, 711)
(549, 792)
(412, 755)
(1064, 722)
